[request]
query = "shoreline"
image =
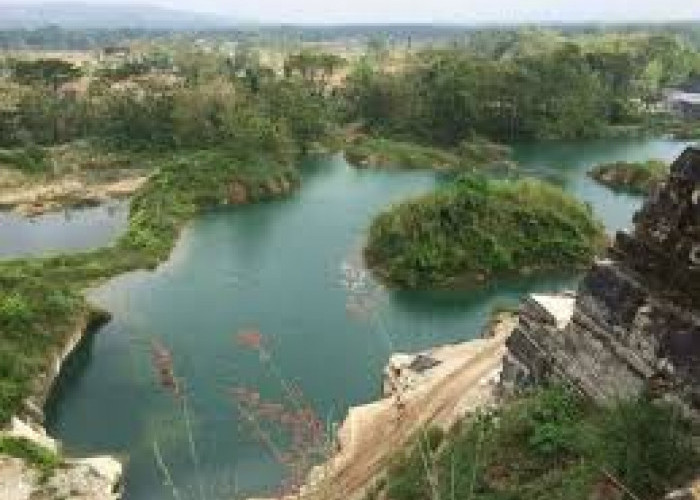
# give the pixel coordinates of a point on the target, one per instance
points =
(99, 477)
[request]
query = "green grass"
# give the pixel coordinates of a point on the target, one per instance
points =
(388, 153)
(476, 229)
(551, 445)
(41, 300)
(635, 178)
(44, 460)
(378, 152)
(29, 160)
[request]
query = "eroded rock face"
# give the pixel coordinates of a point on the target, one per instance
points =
(635, 323)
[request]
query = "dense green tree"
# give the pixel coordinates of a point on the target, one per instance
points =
(49, 72)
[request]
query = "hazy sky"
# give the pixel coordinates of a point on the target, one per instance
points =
(458, 11)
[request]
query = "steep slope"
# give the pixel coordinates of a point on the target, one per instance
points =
(635, 322)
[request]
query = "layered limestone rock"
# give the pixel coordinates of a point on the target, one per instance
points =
(635, 322)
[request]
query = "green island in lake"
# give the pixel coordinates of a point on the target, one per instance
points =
(478, 229)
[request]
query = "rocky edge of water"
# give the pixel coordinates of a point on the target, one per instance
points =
(634, 323)
(93, 478)
(437, 387)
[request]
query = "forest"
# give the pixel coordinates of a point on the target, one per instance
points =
(502, 86)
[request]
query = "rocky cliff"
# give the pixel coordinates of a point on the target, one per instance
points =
(634, 323)
(94, 478)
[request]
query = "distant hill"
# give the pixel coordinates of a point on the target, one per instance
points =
(79, 15)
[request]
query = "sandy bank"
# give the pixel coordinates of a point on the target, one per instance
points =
(65, 193)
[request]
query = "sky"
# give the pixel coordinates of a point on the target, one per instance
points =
(450, 11)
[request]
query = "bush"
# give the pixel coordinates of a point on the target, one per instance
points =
(474, 229)
(14, 311)
(647, 446)
(553, 445)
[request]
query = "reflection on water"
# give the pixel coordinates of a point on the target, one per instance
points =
(289, 269)
(63, 231)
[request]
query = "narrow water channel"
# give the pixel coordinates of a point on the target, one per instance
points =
(279, 268)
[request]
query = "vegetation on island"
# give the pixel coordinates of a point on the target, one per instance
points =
(634, 178)
(684, 130)
(476, 229)
(550, 444)
(388, 153)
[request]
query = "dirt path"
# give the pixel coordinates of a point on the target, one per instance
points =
(463, 381)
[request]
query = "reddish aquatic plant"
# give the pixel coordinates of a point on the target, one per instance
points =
(251, 339)
(295, 437)
(291, 430)
(163, 363)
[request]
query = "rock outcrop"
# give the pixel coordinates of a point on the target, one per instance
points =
(634, 324)
(93, 478)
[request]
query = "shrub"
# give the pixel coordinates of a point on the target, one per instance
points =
(475, 228)
(14, 310)
(648, 446)
(30, 159)
(553, 445)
